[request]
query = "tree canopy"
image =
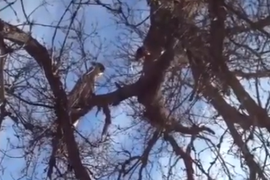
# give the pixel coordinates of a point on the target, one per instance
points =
(184, 93)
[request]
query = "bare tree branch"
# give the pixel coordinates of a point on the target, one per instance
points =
(40, 54)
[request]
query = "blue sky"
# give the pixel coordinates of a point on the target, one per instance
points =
(45, 15)
(14, 165)
(107, 30)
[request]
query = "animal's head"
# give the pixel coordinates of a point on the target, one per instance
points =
(141, 53)
(99, 68)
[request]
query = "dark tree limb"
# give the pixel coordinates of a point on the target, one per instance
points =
(217, 13)
(263, 73)
(254, 110)
(188, 161)
(41, 55)
(247, 155)
(108, 120)
(155, 67)
(3, 57)
(141, 160)
(260, 24)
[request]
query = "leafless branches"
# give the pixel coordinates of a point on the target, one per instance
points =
(201, 48)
